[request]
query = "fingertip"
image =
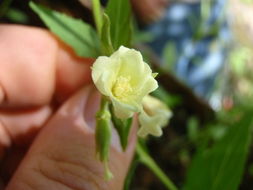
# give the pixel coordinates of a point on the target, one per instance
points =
(35, 65)
(27, 56)
(72, 71)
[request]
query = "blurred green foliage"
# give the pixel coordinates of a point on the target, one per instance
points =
(220, 166)
(169, 57)
(4, 6)
(16, 16)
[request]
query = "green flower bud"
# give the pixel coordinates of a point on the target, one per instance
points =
(103, 135)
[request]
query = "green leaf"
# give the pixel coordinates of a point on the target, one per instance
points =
(131, 173)
(123, 128)
(221, 166)
(119, 12)
(77, 34)
(106, 37)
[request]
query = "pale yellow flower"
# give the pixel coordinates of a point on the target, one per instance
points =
(154, 116)
(125, 79)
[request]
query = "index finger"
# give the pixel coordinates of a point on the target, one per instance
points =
(35, 66)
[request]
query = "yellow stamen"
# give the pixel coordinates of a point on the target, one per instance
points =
(122, 87)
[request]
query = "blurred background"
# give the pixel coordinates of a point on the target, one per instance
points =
(203, 51)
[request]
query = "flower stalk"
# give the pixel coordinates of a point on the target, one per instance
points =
(145, 158)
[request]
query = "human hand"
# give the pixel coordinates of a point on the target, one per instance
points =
(150, 10)
(47, 133)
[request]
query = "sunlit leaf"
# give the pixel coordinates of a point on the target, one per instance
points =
(79, 35)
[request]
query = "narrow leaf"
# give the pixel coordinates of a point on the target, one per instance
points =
(106, 37)
(221, 167)
(119, 12)
(77, 34)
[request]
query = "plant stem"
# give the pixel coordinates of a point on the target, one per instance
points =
(150, 163)
(131, 171)
(104, 105)
(96, 9)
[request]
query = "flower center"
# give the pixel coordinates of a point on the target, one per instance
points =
(122, 87)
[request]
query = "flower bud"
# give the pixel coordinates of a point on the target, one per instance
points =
(154, 116)
(103, 135)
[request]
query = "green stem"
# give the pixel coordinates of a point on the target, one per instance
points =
(104, 104)
(131, 171)
(150, 163)
(96, 9)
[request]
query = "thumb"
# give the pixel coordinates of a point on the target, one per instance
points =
(63, 155)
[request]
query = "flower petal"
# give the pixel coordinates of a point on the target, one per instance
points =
(154, 116)
(149, 86)
(125, 79)
(104, 72)
(149, 125)
(123, 110)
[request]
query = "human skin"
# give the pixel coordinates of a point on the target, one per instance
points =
(47, 117)
(149, 11)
